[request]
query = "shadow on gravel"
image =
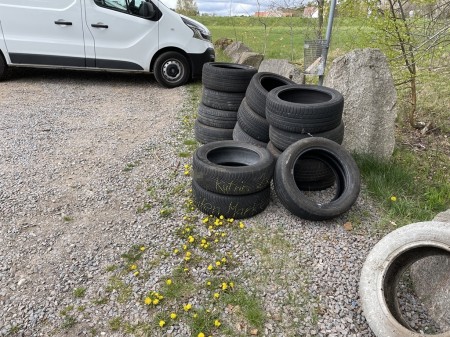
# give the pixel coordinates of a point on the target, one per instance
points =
(18, 74)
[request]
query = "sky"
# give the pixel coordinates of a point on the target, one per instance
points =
(224, 7)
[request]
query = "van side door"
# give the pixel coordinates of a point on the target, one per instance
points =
(45, 32)
(122, 37)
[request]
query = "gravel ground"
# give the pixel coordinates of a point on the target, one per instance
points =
(82, 156)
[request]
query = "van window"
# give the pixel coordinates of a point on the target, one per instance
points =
(127, 6)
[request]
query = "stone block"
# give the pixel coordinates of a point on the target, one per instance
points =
(431, 279)
(365, 80)
(284, 68)
(251, 59)
(235, 49)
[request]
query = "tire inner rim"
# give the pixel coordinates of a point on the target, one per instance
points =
(332, 162)
(396, 269)
(172, 70)
(233, 156)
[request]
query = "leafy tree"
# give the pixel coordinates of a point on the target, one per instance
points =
(187, 7)
(411, 33)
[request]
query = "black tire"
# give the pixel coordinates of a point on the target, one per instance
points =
(259, 87)
(171, 69)
(216, 118)
(253, 124)
(383, 268)
(206, 134)
(241, 136)
(3, 68)
(282, 139)
(230, 206)
(304, 108)
(227, 77)
(222, 100)
(274, 151)
(313, 175)
(338, 159)
(232, 168)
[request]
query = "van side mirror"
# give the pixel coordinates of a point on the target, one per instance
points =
(147, 10)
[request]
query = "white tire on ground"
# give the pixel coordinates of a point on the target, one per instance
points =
(383, 267)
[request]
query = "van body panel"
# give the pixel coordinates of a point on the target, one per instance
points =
(44, 27)
(129, 39)
(112, 35)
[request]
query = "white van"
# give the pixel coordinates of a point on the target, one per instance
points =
(111, 35)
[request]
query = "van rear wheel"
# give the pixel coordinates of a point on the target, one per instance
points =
(171, 69)
(3, 67)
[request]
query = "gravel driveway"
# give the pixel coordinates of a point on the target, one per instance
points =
(80, 155)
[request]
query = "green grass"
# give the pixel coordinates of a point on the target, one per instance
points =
(250, 307)
(79, 292)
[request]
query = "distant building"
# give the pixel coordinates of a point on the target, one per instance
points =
(311, 12)
(273, 14)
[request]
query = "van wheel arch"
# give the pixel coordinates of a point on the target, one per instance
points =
(177, 54)
(3, 67)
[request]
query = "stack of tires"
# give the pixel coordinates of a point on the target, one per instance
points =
(224, 87)
(231, 178)
(252, 126)
(296, 112)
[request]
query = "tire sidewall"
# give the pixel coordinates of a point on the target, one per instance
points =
(384, 253)
(295, 200)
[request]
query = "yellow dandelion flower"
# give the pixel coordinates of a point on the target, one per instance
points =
(185, 247)
(218, 263)
(205, 220)
(216, 295)
(224, 260)
(230, 220)
(169, 282)
(221, 217)
(173, 315)
(186, 172)
(142, 248)
(205, 245)
(155, 301)
(231, 284)
(241, 224)
(224, 286)
(216, 240)
(188, 254)
(217, 323)
(191, 239)
(187, 307)
(162, 323)
(133, 267)
(186, 270)
(224, 234)
(187, 258)
(204, 241)
(208, 283)
(136, 273)
(393, 198)
(186, 166)
(210, 267)
(160, 297)
(201, 334)
(176, 251)
(148, 300)
(195, 315)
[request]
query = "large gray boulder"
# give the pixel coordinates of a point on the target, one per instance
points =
(431, 280)
(250, 58)
(364, 79)
(235, 49)
(284, 68)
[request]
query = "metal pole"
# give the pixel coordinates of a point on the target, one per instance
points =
(327, 41)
